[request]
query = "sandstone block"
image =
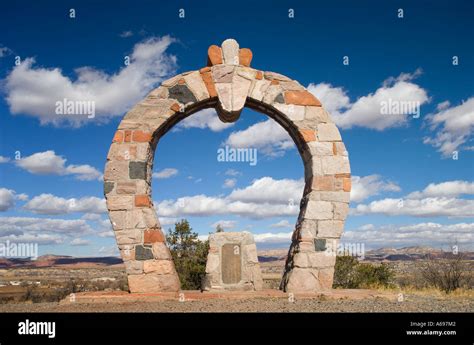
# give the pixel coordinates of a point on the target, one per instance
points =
(319, 210)
(197, 85)
(330, 228)
(158, 266)
(328, 132)
(335, 165)
(152, 282)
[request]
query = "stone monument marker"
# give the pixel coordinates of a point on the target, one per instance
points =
(232, 262)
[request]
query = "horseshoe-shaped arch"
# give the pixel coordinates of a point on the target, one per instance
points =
(228, 84)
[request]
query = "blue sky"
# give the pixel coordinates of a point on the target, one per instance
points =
(52, 194)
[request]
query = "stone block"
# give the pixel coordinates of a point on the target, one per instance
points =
(318, 210)
(153, 282)
(328, 132)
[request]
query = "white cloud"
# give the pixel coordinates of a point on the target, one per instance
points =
(366, 111)
(267, 136)
(4, 159)
(53, 205)
(41, 230)
(421, 234)
(34, 90)
(206, 118)
(270, 237)
(229, 183)
(282, 224)
(446, 189)
(48, 163)
(264, 198)
(367, 186)
(79, 242)
(426, 207)
(165, 173)
(456, 124)
(22, 197)
(126, 34)
(7, 199)
(269, 190)
(226, 224)
(168, 220)
(109, 251)
(232, 172)
(333, 98)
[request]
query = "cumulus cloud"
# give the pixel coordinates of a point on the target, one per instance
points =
(265, 197)
(445, 189)
(266, 136)
(53, 205)
(455, 126)
(273, 238)
(281, 224)
(425, 207)
(269, 190)
(165, 173)
(226, 224)
(34, 91)
(48, 163)
(206, 118)
(367, 186)
(4, 159)
(229, 183)
(79, 242)
(7, 199)
(427, 234)
(366, 111)
(41, 230)
(232, 172)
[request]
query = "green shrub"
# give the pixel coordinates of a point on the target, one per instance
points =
(189, 255)
(349, 273)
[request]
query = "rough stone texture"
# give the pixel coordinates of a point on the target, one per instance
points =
(214, 55)
(228, 84)
(230, 52)
(232, 262)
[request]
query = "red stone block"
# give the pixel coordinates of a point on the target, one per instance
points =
(245, 56)
(153, 235)
(301, 98)
(214, 55)
(141, 137)
(142, 201)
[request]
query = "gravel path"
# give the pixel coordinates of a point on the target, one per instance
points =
(412, 303)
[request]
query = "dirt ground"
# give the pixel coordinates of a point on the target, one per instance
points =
(410, 303)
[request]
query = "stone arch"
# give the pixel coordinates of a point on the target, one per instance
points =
(228, 84)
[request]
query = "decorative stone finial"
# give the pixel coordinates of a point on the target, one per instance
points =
(232, 77)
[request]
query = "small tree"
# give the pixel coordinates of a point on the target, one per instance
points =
(447, 273)
(189, 254)
(349, 273)
(345, 272)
